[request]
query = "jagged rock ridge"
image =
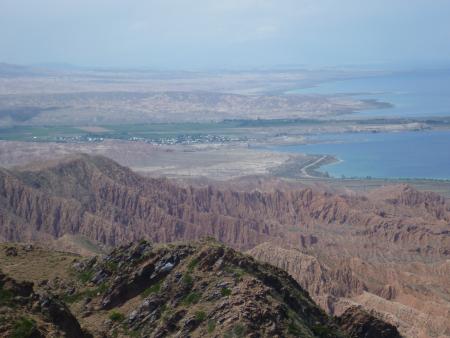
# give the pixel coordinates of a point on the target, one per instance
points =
(108, 203)
(198, 289)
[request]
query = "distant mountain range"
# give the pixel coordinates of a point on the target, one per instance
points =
(12, 70)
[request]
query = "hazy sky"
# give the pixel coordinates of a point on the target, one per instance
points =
(224, 33)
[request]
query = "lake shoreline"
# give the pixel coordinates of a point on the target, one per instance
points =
(369, 155)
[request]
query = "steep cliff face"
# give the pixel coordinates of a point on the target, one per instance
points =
(323, 283)
(408, 295)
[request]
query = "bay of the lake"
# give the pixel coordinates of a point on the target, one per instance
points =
(424, 154)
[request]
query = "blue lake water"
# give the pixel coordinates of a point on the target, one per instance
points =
(424, 93)
(383, 155)
(412, 94)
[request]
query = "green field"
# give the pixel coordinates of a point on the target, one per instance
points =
(147, 131)
(228, 130)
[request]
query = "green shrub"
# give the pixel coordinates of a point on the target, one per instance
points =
(225, 292)
(200, 316)
(23, 328)
(116, 316)
(192, 298)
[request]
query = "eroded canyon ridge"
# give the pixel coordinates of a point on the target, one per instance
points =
(386, 251)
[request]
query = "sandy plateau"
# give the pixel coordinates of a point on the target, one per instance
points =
(218, 162)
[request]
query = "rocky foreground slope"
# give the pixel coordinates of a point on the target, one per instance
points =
(25, 314)
(201, 289)
(387, 251)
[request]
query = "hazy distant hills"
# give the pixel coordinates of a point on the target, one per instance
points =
(14, 70)
(11, 70)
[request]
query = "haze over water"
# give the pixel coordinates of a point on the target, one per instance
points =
(422, 93)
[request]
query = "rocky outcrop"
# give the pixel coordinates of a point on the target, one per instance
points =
(196, 290)
(24, 313)
(357, 323)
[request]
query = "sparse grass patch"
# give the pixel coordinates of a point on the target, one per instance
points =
(131, 333)
(166, 312)
(76, 297)
(237, 272)
(23, 328)
(237, 331)
(101, 289)
(5, 297)
(111, 266)
(85, 276)
(192, 264)
(188, 280)
(294, 329)
(155, 288)
(192, 298)
(211, 326)
(322, 331)
(116, 316)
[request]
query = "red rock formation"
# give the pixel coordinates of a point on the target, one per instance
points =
(109, 203)
(389, 244)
